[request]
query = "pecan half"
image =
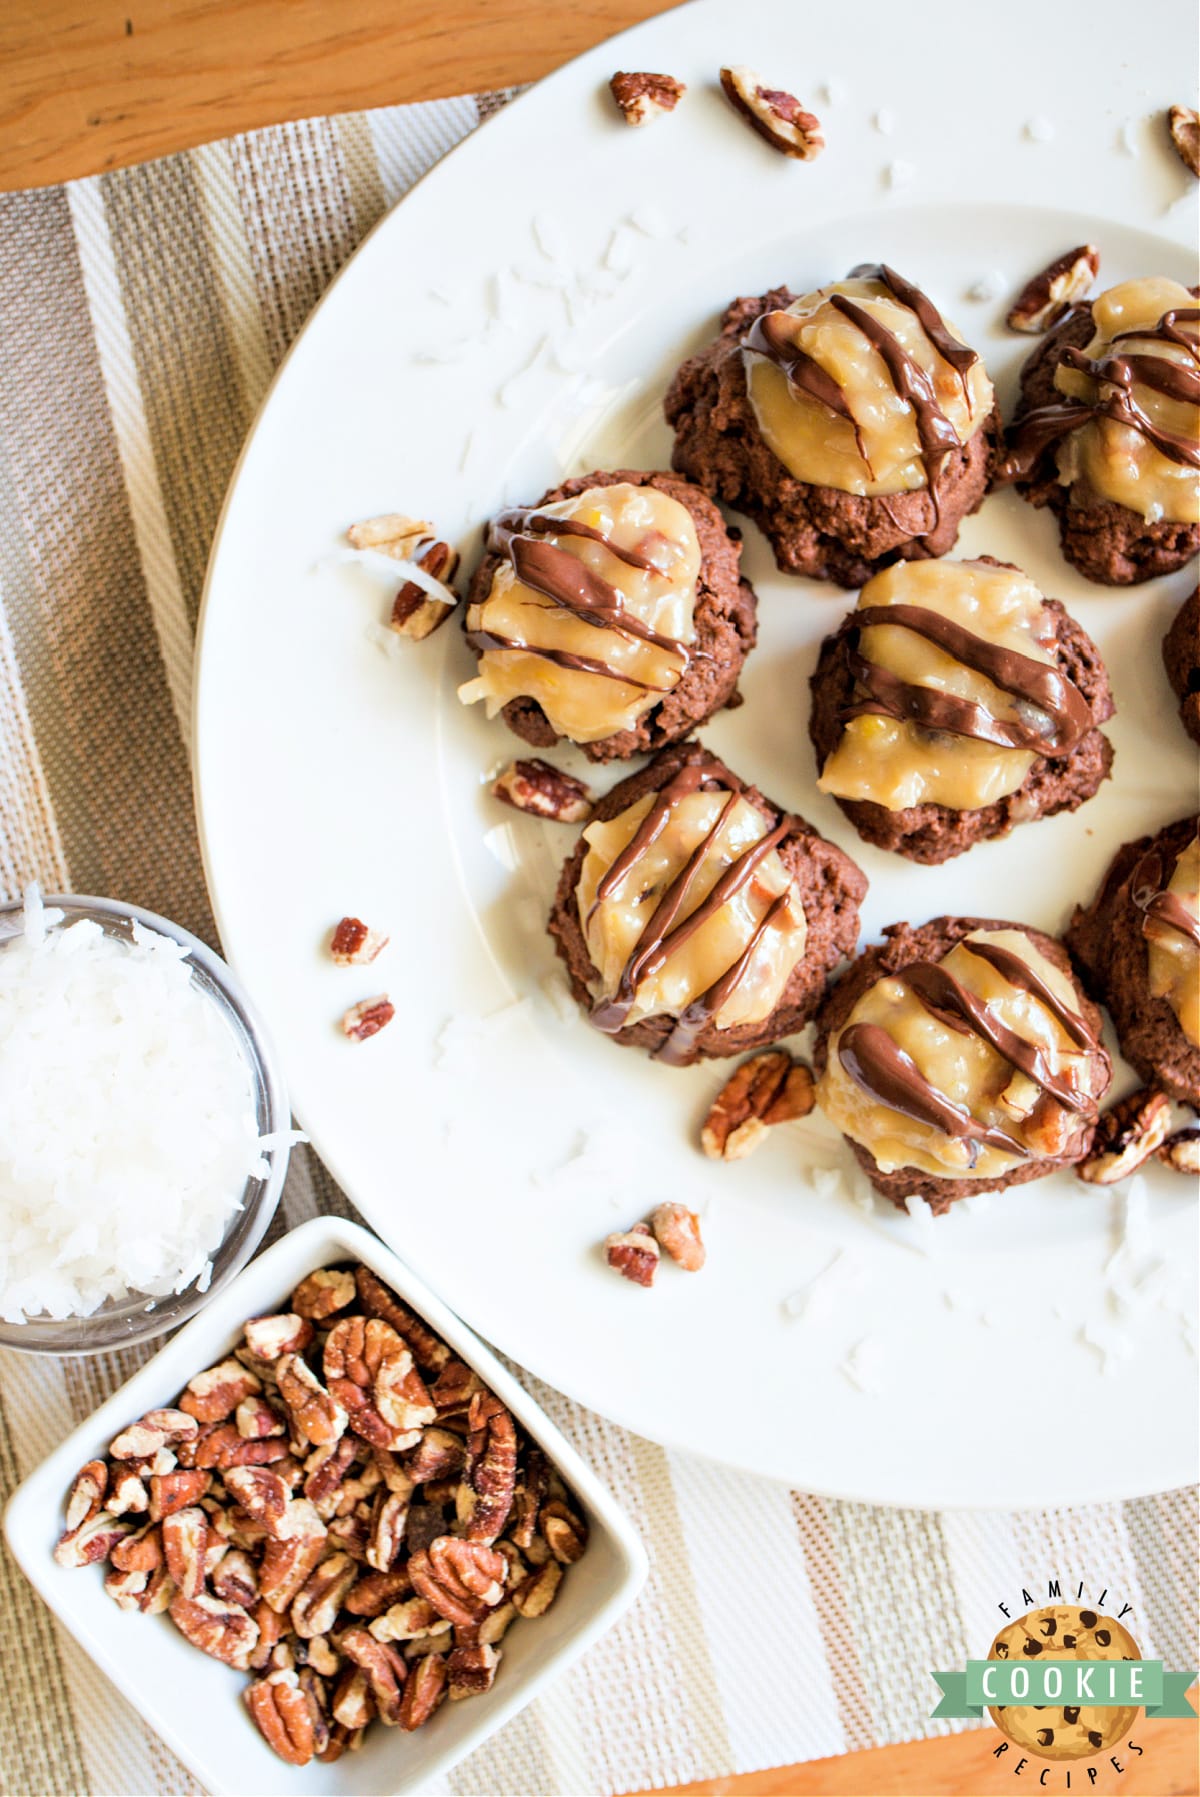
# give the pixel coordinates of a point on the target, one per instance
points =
(471, 1670)
(214, 1395)
(430, 1353)
(1127, 1135)
(1184, 125)
(541, 790)
(1182, 1151)
(487, 1489)
(767, 1089)
(643, 96)
(424, 1691)
(463, 1580)
(286, 1567)
(327, 1290)
(633, 1253)
(534, 1595)
(282, 1714)
(677, 1232)
(157, 1429)
(176, 1491)
(1044, 298)
(778, 117)
(86, 1496)
(367, 1018)
(93, 1540)
(370, 1371)
(354, 944)
(235, 1578)
(315, 1607)
(220, 1629)
(315, 1414)
(184, 1541)
(385, 1671)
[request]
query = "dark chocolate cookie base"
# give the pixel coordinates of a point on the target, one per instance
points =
(936, 833)
(817, 531)
(1108, 543)
(931, 941)
(1106, 940)
(831, 889)
(723, 616)
(1181, 657)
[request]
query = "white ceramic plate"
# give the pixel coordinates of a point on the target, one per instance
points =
(494, 1140)
(195, 1703)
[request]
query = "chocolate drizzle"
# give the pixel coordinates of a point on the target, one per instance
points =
(524, 539)
(881, 1068)
(670, 926)
(772, 336)
(1148, 889)
(1114, 398)
(1056, 715)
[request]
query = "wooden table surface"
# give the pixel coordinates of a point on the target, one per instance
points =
(87, 85)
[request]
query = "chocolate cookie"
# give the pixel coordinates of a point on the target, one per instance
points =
(1181, 656)
(724, 402)
(697, 918)
(941, 1077)
(1113, 940)
(1069, 447)
(1062, 1632)
(621, 635)
(914, 746)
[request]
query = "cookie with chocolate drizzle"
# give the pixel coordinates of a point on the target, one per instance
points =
(1107, 431)
(961, 1057)
(1138, 947)
(612, 613)
(954, 703)
(791, 416)
(697, 918)
(1181, 658)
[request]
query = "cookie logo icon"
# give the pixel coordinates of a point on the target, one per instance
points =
(1070, 1731)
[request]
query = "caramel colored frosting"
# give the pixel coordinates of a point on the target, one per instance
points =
(1172, 932)
(590, 610)
(688, 911)
(967, 1066)
(1140, 375)
(955, 701)
(863, 386)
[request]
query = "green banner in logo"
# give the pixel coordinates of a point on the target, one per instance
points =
(1102, 1684)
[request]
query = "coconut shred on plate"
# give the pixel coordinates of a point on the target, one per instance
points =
(127, 1119)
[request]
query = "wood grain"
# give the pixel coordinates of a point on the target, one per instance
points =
(91, 86)
(88, 85)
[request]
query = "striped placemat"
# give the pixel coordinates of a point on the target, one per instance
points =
(141, 316)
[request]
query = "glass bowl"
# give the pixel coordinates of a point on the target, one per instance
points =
(137, 1317)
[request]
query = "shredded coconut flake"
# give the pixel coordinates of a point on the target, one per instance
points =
(867, 1364)
(1039, 129)
(989, 286)
(884, 121)
(831, 91)
(127, 1119)
(820, 1296)
(899, 173)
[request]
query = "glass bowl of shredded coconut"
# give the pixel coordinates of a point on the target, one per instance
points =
(144, 1128)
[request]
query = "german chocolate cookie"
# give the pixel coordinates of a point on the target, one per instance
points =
(612, 613)
(791, 415)
(697, 918)
(1105, 432)
(928, 771)
(1181, 655)
(960, 1057)
(1138, 946)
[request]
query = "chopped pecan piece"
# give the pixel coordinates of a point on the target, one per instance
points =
(263, 1495)
(315, 1607)
(367, 1018)
(531, 1493)
(127, 1495)
(214, 1395)
(352, 1705)
(495, 1626)
(1044, 299)
(176, 1491)
(411, 1620)
(140, 1552)
(272, 1630)
(387, 1530)
(456, 1385)
(543, 791)
(315, 1414)
(142, 1440)
(430, 1353)
(287, 1565)
(778, 117)
(417, 613)
(149, 1593)
(643, 96)
(282, 1714)
(565, 1533)
(86, 1496)
(486, 1494)
(327, 1290)
(257, 1420)
(354, 944)
(471, 1670)
(768, 1089)
(534, 1595)
(184, 1541)
(677, 1232)
(326, 1468)
(270, 1338)
(633, 1253)
(93, 1540)
(438, 1455)
(1184, 125)
(376, 1592)
(222, 1630)
(1127, 1135)
(385, 1670)
(235, 1578)
(1182, 1151)
(424, 1691)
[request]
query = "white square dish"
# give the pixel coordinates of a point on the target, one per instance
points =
(194, 1702)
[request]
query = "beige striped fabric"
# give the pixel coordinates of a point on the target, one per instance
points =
(141, 315)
